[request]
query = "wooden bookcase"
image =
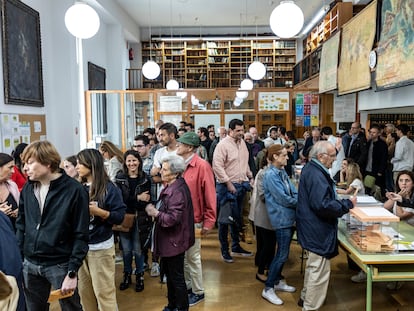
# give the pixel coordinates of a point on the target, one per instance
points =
(153, 51)
(218, 64)
(340, 13)
(174, 62)
(240, 59)
(196, 64)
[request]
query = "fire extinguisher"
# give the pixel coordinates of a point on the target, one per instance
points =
(131, 54)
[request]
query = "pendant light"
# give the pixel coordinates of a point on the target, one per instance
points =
(151, 70)
(256, 69)
(287, 19)
(82, 21)
(172, 84)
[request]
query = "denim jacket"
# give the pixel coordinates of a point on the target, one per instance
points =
(281, 198)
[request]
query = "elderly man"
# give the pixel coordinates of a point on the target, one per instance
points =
(231, 167)
(317, 222)
(200, 180)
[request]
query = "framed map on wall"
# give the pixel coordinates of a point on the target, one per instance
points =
(396, 45)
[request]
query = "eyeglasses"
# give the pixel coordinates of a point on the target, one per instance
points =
(330, 155)
(138, 146)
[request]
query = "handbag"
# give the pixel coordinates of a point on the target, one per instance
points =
(126, 224)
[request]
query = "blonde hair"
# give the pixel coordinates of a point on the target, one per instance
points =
(353, 172)
(113, 151)
(44, 153)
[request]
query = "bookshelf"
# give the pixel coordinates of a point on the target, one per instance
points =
(174, 62)
(240, 59)
(153, 51)
(196, 64)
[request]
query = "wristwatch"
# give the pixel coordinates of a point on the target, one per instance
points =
(72, 274)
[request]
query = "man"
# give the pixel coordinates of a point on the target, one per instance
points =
(376, 158)
(257, 143)
(403, 159)
(327, 134)
(317, 222)
(355, 144)
(205, 141)
(52, 228)
(221, 133)
(310, 141)
(141, 144)
(157, 146)
(272, 137)
(189, 127)
(200, 180)
(231, 167)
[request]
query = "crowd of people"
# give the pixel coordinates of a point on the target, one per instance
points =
(175, 184)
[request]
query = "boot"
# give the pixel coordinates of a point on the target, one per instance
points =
(139, 286)
(126, 282)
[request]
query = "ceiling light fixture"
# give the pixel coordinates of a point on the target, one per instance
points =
(151, 70)
(246, 84)
(321, 13)
(256, 70)
(172, 84)
(82, 21)
(287, 19)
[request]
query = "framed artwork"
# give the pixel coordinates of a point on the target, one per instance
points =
(22, 56)
(97, 81)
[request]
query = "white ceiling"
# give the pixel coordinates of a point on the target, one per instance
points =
(209, 13)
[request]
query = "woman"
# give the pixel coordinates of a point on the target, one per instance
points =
(135, 186)
(69, 165)
(265, 235)
(174, 229)
(19, 177)
(114, 158)
(340, 176)
(281, 199)
(401, 201)
(9, 192)
(353, 181)
(97, 274)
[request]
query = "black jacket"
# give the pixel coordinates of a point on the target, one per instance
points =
(379, 156)
(358, 151)
(60, 233)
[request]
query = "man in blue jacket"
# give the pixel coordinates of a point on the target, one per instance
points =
(52, 228)
(317, 222)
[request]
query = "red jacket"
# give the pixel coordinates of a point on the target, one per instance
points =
(19, 178)
(200, 180)
(174, 227)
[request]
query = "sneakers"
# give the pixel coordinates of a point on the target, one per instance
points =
(239, 251)
(271, 296)
(361, 277)
(227, 258)
(155, 270)
(194, 299)
(283, 287)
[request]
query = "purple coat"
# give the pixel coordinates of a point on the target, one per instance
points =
(174, 228)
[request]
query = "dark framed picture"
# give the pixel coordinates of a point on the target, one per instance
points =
(22, 56)
(97, 81)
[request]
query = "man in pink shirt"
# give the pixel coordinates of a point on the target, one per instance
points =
(231, 167)
(200, 179)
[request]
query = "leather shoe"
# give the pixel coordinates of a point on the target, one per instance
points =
(261, 278)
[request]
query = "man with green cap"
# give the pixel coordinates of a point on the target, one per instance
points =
(200, 179)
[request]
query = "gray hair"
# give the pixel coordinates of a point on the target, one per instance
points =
(177, 164)
(319, 148)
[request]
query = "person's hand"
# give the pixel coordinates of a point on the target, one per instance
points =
(393, 196)
(14, 213)
(353, 200)
(93, 208)
(205, 231)
(145, 196)
(155, 171)
(151, 210)
(230, 187)
(6, 209)
(68, 285)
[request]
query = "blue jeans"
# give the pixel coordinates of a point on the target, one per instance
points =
(222, 196)
(38, 281)
(131, 247)
(283, 239)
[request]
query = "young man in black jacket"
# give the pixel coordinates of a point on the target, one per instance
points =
(52, 228)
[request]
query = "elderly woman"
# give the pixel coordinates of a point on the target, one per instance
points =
(281, 199)
(174, 229)
(9, 192)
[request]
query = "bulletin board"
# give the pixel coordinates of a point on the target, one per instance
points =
(20, 128)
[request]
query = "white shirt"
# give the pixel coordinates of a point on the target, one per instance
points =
(404, 155)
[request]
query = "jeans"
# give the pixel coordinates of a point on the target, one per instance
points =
(283, 239)
(38, 281)
(224, 195)
(177, 290)
(131, 247)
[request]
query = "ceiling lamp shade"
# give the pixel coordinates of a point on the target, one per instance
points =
(286, 20)
(242, 94)
(256, 70)
(151, 70)
(246, 84)
(237, 101)
(82, 21)
(172, 85)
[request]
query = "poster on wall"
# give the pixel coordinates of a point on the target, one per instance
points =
(357, 39)
(10, 131)
(395, 46)
(329, 64)
(344, 108)
(273, 101)
(307, 110)
(170, 103)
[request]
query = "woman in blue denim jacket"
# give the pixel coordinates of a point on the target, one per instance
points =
(281, 199)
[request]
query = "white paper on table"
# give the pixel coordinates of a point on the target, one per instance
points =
(376, 211)
(366, 199)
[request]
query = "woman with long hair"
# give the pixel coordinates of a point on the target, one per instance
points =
(353, 180)
(135, 186)
(19, 176)
(113, 156)
(9, 192)
(97, 274)
(69, 166)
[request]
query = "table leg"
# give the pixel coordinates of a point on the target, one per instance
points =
(369, 289)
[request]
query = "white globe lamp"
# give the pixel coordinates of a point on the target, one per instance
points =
(82, 21)
(242, 94)
(172, 85)
(151, 70)
(237, 101)
(246, 84)
(286, 19)
(256, 70)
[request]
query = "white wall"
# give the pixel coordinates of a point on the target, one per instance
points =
(399, 97)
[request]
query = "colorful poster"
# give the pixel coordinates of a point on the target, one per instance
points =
(299, 110)
(306, 121)
(274, 101)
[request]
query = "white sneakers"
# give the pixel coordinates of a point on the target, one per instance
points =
(361, 277)
(283, 287)
(271, 296)
(155, 269)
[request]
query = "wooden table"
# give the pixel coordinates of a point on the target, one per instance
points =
(384, 267)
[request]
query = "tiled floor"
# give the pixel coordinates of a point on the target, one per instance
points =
(234, 287)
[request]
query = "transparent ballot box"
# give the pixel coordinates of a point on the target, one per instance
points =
(373, 229)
